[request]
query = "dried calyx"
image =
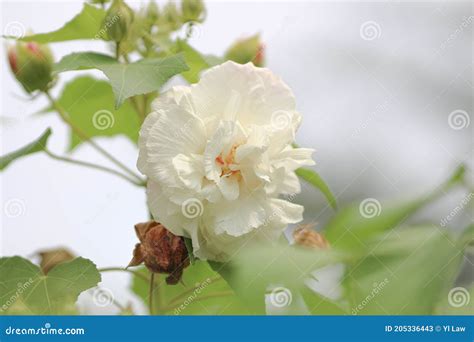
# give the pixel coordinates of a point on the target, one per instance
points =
(308, 237)
(160, 250)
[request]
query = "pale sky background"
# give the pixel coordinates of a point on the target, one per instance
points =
(376, 111)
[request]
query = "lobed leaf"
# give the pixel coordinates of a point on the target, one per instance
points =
(85, 25)
(127, 80)
(24, 289)
(89, 104)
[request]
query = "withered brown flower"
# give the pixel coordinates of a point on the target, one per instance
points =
(305, 236)
(49, 258)
(160, 250)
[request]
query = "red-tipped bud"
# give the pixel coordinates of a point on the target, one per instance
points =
(32, 65)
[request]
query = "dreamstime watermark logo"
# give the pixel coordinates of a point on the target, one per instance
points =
(370, 207)
(103, 119)
(197, 291)
(106, 26)
(380, 109)
(370, 30)
(14, 29)
(280, 119)
(102, 297)
(281, 297)
(14, 207)
(458, 297)
(377, 287)
(46, 330)
(456, 33)
(192, 208)
(192, 29)
(21, 287)
(459, 119)
(457, 209)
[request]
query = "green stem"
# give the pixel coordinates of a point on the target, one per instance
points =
(93, 166)
(152, 289)
(121, 269)
(86, 138)
(117, 51)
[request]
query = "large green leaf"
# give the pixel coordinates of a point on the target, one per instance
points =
(144, 76)
(195, 61)
(89, 104)
(85, 25)
(353, 225)
(202, 292)
(313, 178)
(254, 268)
(24, 289)
(37, 145)
(319, 305)
(404, 272)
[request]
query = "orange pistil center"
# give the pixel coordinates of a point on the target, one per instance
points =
(225, 162)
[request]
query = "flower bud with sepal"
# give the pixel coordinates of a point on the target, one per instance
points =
(193, 10)
(247, 50)
(32, 65)
(118, 21)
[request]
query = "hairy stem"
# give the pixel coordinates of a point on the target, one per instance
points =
(86, 138)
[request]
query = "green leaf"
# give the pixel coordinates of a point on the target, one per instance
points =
(202, 292)
(195, 61)
(255, 268)
(89, 104)
(144, 76)
(85, 25)
(319, 305)
(24, 289)
(403, 272)
(354, 225)
(37, 145)
(315, 180)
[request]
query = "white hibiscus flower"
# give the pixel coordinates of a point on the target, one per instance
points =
(218, 156)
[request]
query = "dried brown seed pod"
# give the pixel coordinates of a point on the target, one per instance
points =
(305, 236)
(160, 250)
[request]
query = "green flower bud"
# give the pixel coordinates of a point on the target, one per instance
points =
(32, 65)
(247, 50)
(118, 20)
(152, 12)
(170, 20)
(193, 10)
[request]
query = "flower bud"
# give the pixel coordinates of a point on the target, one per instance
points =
(170, 20)
(308, 237)
(32, 65)
(193, 10)
(160, 250)
(247, 50)
(152, 12)
(118, 20)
